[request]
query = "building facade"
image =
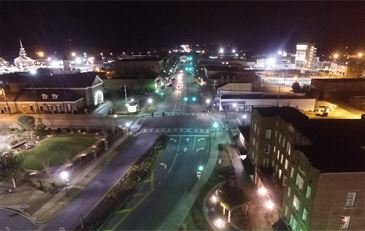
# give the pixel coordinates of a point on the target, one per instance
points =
(71, 93)
(319, 166)
(305, 56)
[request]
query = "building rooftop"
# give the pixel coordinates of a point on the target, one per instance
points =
(227, 68)
(335, 143)
(53, 95)
(339, 79)
(55, 81)
(262, 96)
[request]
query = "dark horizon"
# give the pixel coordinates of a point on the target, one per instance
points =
(261, 26)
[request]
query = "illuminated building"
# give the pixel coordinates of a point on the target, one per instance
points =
(305, 56)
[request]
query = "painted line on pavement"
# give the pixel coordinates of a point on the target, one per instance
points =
(173, 162)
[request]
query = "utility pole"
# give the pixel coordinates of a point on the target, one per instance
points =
(125, 93)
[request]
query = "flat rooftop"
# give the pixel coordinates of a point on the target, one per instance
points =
(262, 96)
(336, 143)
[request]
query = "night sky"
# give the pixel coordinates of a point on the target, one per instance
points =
(260, 26)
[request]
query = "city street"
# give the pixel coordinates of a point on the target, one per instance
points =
(174, 175)
(87, 199)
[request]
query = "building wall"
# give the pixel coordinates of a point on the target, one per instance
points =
(247, 104)
(135, 84)
(327, 89)
(42, 107)
(329, 201)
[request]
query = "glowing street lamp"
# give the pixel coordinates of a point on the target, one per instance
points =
(233, 50)
(336, 55)
(244, 116)
(40, 54)
(219, 223)
(269, 205)
(262, 191)
(360, 54)
(234, 105)
(214, 199)
(207, 101)
(73, 54)
(65, 177)
(78, 60)
(221, 50)
(150, 101)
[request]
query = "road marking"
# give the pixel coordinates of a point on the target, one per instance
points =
(173, 162)
(200, 149)
(194, 143)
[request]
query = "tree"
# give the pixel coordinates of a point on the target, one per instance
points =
(27, 123)
(40, 129)
(11, 165)
(296, 87)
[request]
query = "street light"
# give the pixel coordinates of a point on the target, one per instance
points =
(269, 205)
(244, 116)
(219, 223)
(65, 177)
(73, 54)
(214, 199)
(207, 101)
(360, 54)
(149, 100)
(233, 50)
(262, 191)
(40, 54)
(221, 50)
(336, 55)
(234, 105)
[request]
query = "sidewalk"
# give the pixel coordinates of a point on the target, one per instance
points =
(257, 215)
(58, 201)
(177, 217)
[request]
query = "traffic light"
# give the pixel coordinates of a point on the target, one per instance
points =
(200, 168)
(185, 99)
(194, 99)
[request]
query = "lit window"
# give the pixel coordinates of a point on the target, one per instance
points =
(278, 155)
(350, 199)
(289, 191)
(283, 143)
(305, 214)
(286, 211)
(268, 134)
(299, 182)
(345, 222)
(291, 172)
(281, 158)
(308, 193)
(286, 164)
(274, 150)
(293, 222)
(280, 173)
(296, 203)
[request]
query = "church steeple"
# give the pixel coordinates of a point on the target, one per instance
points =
(22, 52)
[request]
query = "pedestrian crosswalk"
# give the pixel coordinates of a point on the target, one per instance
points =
(175, 130)
(183, 114)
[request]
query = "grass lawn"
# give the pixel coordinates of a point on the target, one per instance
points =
(56, 150)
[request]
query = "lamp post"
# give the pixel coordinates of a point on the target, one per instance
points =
(215, 126)
(65, 177)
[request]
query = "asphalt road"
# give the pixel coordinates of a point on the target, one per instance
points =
(175, 172)
(69, 217)
(10, 220)
(174, 175)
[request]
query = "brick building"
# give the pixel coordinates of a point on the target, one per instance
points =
(317, 165)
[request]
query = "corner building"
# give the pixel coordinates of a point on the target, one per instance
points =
(317, 164)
